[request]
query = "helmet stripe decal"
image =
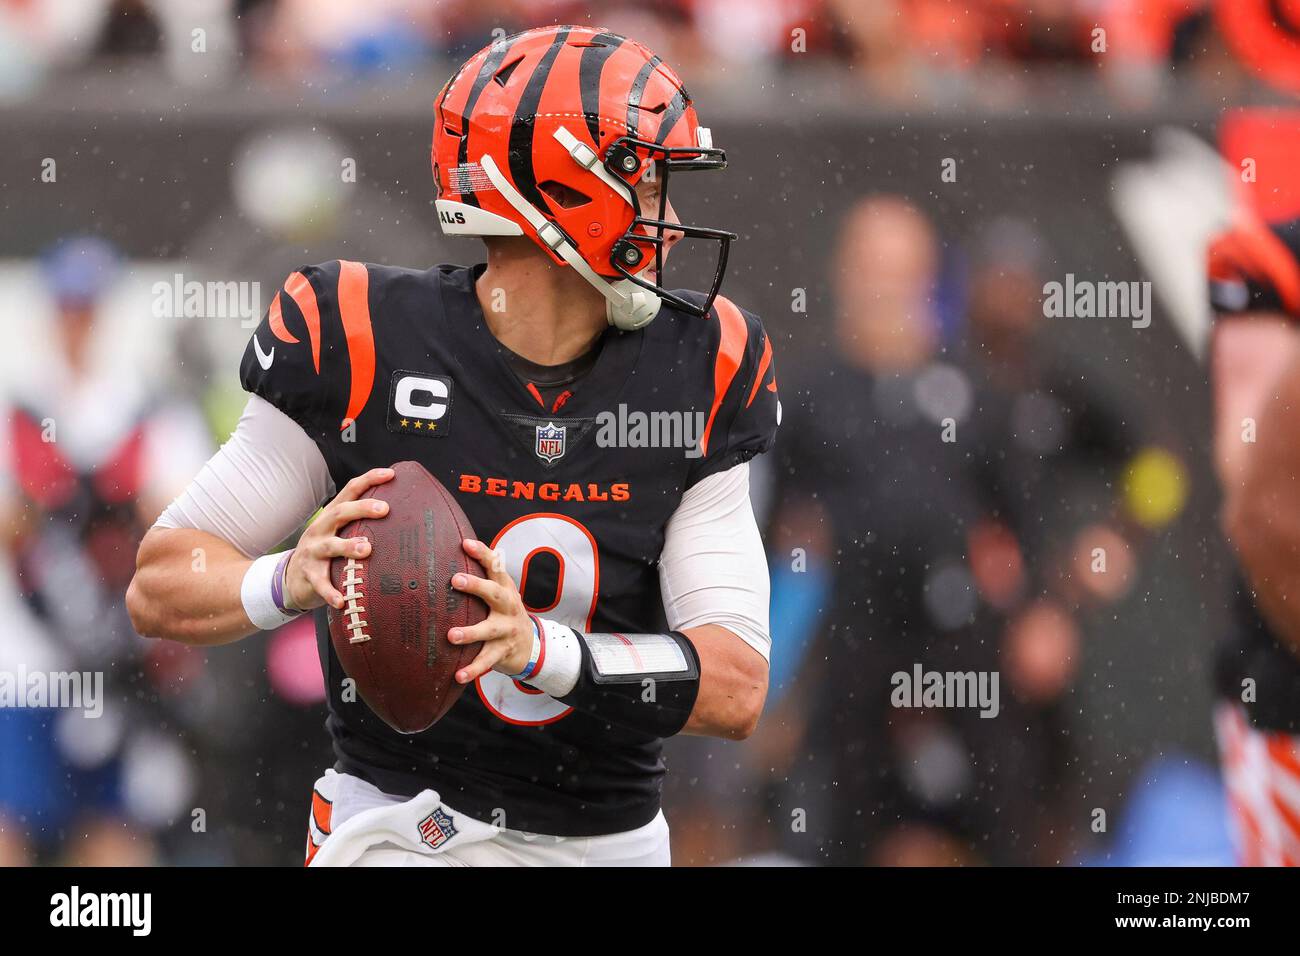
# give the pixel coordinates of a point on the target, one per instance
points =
(521, 126)
(1263, 256)
(634, 94)
(589, 71)
(354, 311)
(676, 108)
(491, 63)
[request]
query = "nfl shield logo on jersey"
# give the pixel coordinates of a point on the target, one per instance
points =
(550, 441)
(437, 828)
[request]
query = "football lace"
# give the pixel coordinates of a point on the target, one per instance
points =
(354, 593)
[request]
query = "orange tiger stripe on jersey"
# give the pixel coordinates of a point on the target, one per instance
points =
(275, 319)
(1263, 788)
(304, 297)
(763, 363)
(1288, 816)
(1285, 752)
(322, 812)
(354, 311)
(731, 349)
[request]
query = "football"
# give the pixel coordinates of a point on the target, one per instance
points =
(391, 633)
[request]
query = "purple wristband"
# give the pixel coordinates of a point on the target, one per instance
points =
(277, 582)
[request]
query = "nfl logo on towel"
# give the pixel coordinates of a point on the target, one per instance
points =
(437, 828)
(550, 441)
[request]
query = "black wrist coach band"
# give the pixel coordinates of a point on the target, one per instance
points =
(643, 682)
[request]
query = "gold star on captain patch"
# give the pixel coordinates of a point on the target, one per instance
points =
(417, 425)
(405, 423)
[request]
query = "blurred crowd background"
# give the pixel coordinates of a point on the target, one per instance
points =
(905, 176)
(901, 51)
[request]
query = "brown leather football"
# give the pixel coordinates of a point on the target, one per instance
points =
(391, 633)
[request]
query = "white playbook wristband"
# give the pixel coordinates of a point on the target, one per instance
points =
(562, 664)
(257, 592)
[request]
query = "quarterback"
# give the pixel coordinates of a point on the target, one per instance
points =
(605, 564)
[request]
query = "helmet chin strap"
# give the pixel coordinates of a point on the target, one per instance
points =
(627, 305)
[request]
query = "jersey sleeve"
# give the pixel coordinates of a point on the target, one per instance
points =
(1254, 267)
(282, 362)
(743, 408)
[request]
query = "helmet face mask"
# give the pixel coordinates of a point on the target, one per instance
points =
(545, 134)
(652, 231)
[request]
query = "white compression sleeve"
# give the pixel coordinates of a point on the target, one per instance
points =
(259, 487)
(713, 569)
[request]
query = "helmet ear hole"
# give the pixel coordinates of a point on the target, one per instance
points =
(565, 197)
(622, 161)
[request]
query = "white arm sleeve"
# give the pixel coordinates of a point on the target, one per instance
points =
(713, 569)
(259, 487)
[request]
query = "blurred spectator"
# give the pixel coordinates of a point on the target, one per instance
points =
(896, 51)
(90, 455)
(1052, 440)
(884, 446)
(130, 29)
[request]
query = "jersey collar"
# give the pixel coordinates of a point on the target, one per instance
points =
(483, 357)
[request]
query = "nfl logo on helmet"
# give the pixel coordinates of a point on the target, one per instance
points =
(550, 441)
(437, 828)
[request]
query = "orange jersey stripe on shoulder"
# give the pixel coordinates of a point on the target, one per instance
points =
(275, 319)
(763, 363)
(731, 350)
(304, 297)
(354, 311)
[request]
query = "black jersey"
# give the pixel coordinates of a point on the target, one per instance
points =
(380, 365)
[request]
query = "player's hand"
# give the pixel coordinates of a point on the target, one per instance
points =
(507, 632)
(307, 578)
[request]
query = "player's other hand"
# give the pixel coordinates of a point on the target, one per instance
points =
(507, 632)
(307, 578)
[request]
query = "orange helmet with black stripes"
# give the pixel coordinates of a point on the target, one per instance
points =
(545, 134)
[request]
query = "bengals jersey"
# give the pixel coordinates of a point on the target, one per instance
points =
(574, 489)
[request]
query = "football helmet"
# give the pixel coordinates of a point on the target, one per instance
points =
(545, 134)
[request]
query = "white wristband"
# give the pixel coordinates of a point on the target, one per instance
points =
(257, 592)
(563, 662)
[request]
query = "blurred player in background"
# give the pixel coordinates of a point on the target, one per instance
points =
(1254, 272)
(864, 448)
